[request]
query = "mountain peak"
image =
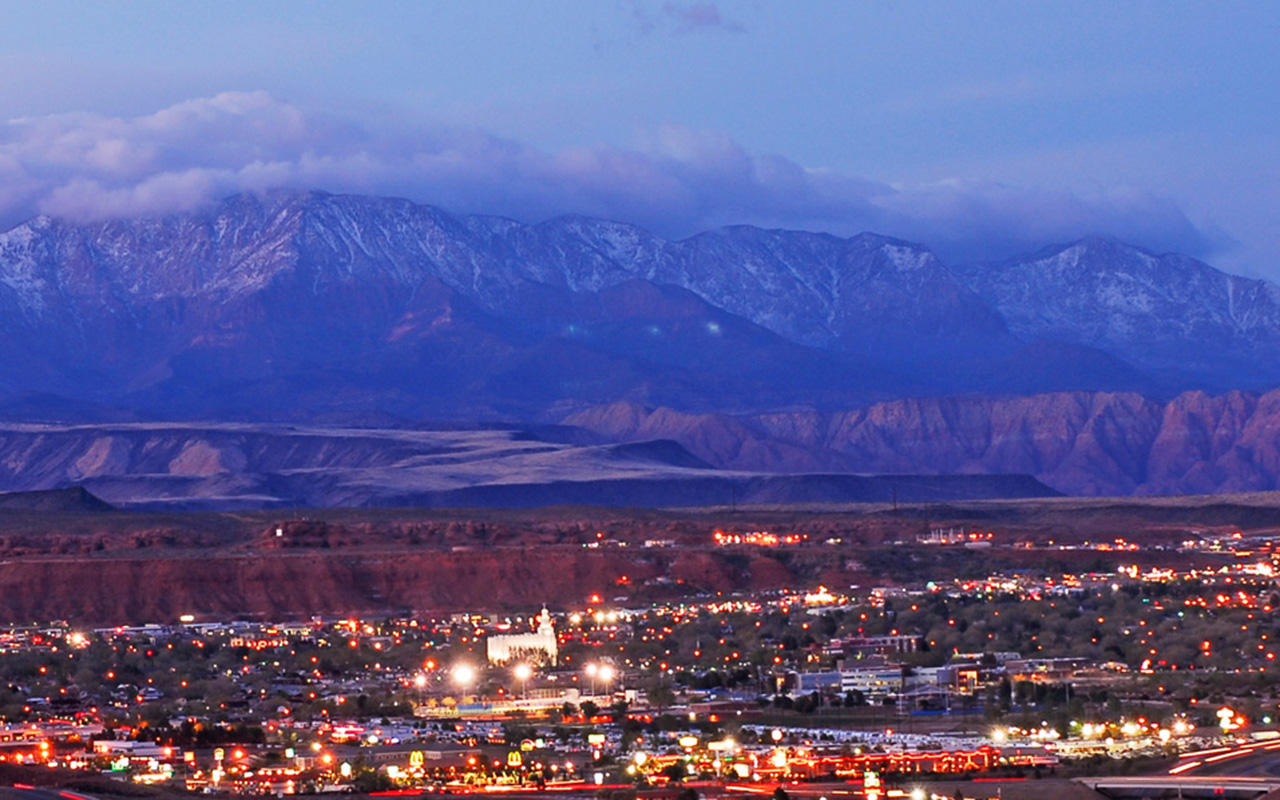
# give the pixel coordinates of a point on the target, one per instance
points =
(1090, 250)
(1166, 312)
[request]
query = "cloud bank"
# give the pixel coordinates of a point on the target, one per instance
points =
(672, 180)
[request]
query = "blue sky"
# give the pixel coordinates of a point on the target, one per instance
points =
(981, 129)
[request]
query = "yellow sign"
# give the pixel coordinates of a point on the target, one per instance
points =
(219, 754)
(415, 758)
(514, 759)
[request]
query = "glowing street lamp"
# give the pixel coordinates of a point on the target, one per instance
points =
(604, 672)
(464, 675)
(523, 673)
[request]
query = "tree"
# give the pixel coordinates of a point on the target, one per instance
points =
(661, 697)
(370, 780)
(807, 704)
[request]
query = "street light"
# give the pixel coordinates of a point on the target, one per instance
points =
(605, 672)
(464, 675)
(523, 673)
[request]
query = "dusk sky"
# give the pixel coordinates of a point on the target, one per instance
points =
(982, 129)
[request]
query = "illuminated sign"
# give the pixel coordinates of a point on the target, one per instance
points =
(871, 785)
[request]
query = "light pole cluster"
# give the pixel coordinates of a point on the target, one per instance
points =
(465, 676)
(602, 672)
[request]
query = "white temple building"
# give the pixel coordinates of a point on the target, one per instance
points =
(539, 647)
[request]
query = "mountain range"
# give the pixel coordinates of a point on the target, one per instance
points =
(305, 306)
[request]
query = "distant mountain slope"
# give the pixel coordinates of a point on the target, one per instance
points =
(1079, 443)
(236, 466)
(74, 500)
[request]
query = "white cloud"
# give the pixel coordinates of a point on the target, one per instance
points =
(673, 180)
(84, 200)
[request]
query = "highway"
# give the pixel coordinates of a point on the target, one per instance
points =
(20, 791)
(1233, 772)
(1253, 759)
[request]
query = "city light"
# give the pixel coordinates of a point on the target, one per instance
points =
(464, 675)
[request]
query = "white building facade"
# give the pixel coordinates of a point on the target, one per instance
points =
(539, 647)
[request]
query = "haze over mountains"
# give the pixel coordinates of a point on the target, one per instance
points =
(769, 350)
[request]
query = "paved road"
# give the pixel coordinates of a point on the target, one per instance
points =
(23, 792)
(1257, 759)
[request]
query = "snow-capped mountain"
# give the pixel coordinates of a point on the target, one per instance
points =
(297, 302)
(1160, 311)
(812, 288)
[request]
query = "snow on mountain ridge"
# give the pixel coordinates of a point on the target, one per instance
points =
(21, 268)
(1161, 310)
(868, 293)
(789, 282)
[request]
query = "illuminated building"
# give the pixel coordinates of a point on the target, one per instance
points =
(538, 647)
